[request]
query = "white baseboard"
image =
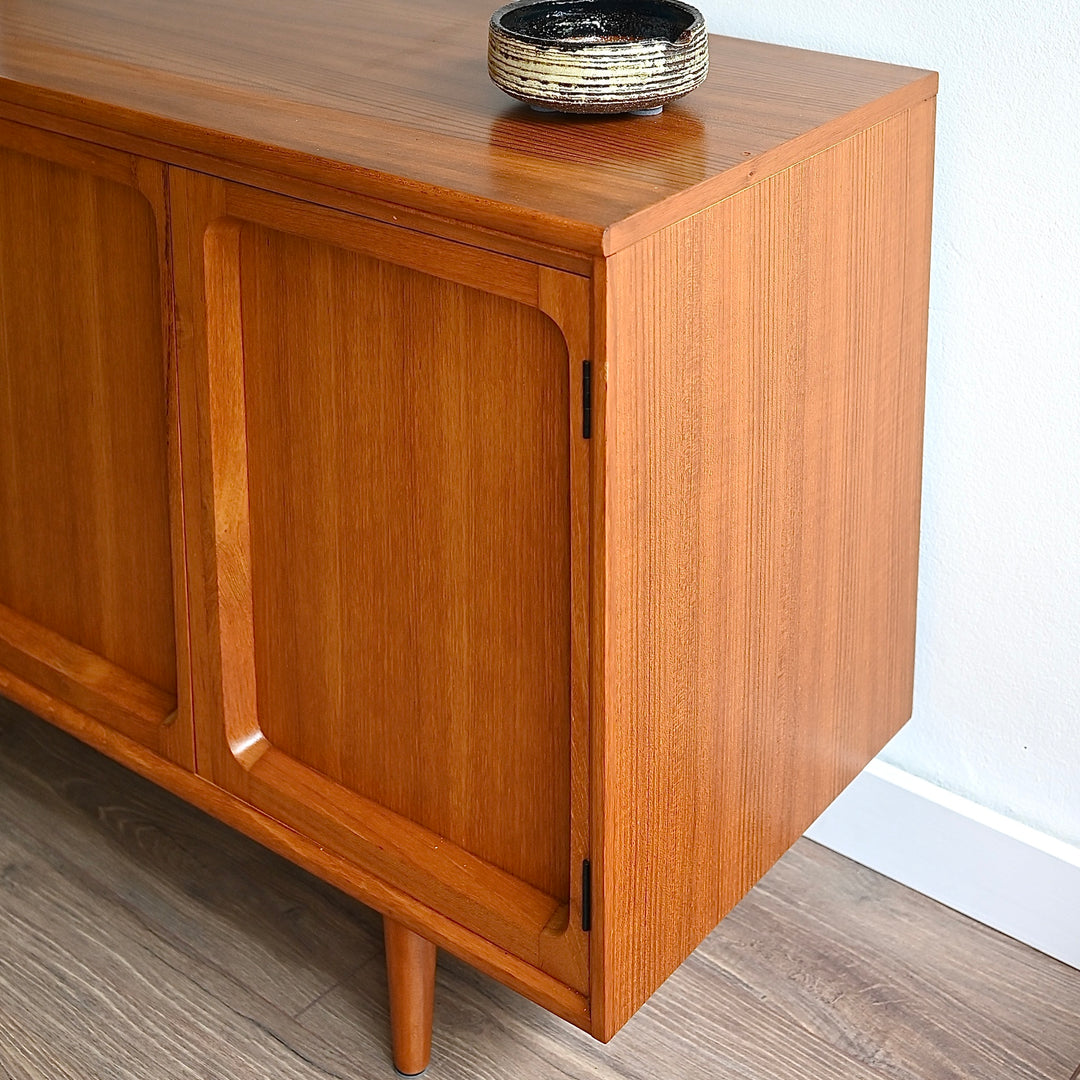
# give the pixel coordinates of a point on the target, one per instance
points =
(1011, 877)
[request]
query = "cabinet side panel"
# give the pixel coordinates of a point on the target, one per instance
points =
(84, 513)
(764, 442)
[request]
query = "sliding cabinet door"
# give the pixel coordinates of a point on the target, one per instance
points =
(88, 544)
(393, 494)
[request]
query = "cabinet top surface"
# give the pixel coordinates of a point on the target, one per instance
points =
(394, 101)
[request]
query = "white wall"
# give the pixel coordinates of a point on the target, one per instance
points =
(997, 689)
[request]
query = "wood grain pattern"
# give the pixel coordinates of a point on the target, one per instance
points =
(410, 983)
(31, 653)
(408, 458)
(763, 450)
(141, 940)
(394, 102)
(84, 524)
(431, 745)
(37, 124)
(89, 540)
(891, 986)
(349, 875)
(443, 647)
(567, 300)
(463, 264)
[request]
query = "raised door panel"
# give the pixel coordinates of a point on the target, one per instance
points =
(87, 618)
(396, 567)
(410, 545)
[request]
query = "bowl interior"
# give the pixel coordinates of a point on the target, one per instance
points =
(598, 21)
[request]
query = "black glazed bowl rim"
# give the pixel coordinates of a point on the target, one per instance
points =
(668, 7)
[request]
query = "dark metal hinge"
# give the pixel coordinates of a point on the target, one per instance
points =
(586, 399)
(586, 896)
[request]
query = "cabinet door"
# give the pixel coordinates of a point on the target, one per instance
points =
(87, 444)
(392, 573)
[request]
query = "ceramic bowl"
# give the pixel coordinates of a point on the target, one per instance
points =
(598, 56)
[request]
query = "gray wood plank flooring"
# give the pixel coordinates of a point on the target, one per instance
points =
(141, 940)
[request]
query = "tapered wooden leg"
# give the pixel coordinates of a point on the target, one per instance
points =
(410, 973)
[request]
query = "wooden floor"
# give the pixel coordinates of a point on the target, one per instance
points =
(139, 939)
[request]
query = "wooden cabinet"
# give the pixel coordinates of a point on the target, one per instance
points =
(511, 518)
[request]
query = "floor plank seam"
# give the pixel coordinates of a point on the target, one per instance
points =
(825, 972)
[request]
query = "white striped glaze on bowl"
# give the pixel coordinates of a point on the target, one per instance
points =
(598, 56)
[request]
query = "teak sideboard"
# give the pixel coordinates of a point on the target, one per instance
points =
(511, 518)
